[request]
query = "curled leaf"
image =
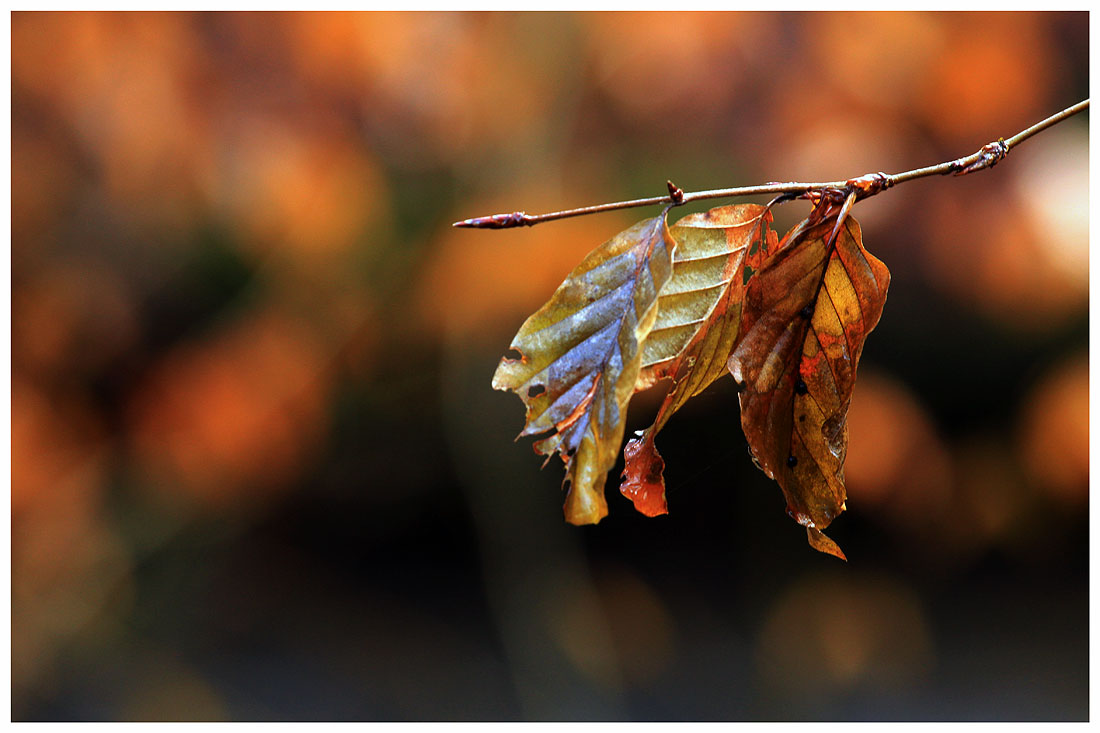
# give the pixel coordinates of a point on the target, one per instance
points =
(580, 355)
(806, 316)
(698, 319)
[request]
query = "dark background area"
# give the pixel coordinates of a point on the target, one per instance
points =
(258, 468)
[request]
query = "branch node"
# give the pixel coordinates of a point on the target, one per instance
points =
(675, 193)
(990, 155)
(868, 185)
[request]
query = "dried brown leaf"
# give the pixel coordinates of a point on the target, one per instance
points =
(806, 316)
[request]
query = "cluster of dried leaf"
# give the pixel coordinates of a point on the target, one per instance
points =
(716, 292)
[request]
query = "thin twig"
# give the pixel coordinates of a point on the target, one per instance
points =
(864, 186)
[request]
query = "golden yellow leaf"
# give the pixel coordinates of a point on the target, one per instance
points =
(698, 316)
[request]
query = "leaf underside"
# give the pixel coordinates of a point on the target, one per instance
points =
(807, 313)
(581, 354)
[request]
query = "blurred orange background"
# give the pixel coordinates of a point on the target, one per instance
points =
(258, 471)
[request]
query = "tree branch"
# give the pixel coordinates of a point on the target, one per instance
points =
(862, 186)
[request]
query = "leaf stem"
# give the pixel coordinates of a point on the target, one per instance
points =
(865, 186)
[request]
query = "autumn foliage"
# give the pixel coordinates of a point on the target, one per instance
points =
(580, 356)
(716, 293)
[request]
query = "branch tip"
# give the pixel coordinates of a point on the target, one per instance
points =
(497, 221)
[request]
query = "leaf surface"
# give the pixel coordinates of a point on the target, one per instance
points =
(580, 356)
(806, 316)
(698, 318)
